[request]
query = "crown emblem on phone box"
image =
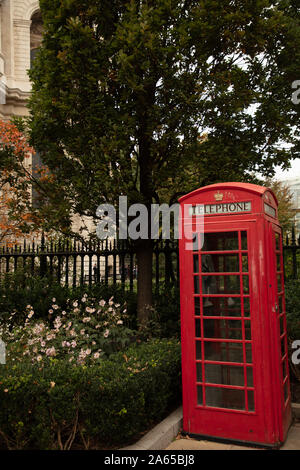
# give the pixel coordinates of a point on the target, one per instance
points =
(219, 196)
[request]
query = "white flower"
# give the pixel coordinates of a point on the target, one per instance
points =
(51, 351)
(75, 304)
(88, 352)
(50, 336)
(37, 329)
(106, 333)
(86, 319)
(57, 323)
(102, 303)
(54, 299)
(119, 322)
(39, 358)
(31, 313)
(90, 310)
(55, 307)
(82, 354)
(96, 355)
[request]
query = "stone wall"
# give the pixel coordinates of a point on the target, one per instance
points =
(15, 43)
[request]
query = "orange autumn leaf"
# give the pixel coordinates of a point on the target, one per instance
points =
(15, 186)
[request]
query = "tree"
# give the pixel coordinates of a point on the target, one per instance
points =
(286, 211)
(16, 219)
(153, 98)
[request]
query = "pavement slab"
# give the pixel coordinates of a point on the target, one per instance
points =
(193, 444)
(166, 436)
(293, 439)
(184, 443)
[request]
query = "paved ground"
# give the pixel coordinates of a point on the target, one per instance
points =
(184, 443)
(166, 436)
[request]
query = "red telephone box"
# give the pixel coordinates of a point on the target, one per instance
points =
(233, 323)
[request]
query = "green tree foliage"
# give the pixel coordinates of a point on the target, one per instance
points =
(286, 210)
(153, 98)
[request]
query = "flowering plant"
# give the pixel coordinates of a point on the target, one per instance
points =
(85, 332)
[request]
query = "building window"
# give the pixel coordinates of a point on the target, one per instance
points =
(36, 31)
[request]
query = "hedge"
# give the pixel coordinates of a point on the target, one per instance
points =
(71, 407)
(292, 298)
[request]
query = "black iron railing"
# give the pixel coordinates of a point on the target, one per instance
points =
(291, 252)
(74, 263)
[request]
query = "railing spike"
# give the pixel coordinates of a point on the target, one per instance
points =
(293, 235)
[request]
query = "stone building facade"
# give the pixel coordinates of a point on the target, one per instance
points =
(21, 32)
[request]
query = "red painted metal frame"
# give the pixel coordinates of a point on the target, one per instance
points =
(283, 405)
(269, 422)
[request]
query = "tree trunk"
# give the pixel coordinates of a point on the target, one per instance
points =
(145, 246)
(144, 280)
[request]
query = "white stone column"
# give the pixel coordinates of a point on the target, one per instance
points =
(7, 46)
(1, 52)
(2, 71)
(22, 49)
(0, 26)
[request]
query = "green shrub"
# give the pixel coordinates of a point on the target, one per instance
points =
(22, 288)
(292, 296)
(59, 406)
(83, 333)
(288, 264)
(102, 291)
(167, 306)
(19, 289)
